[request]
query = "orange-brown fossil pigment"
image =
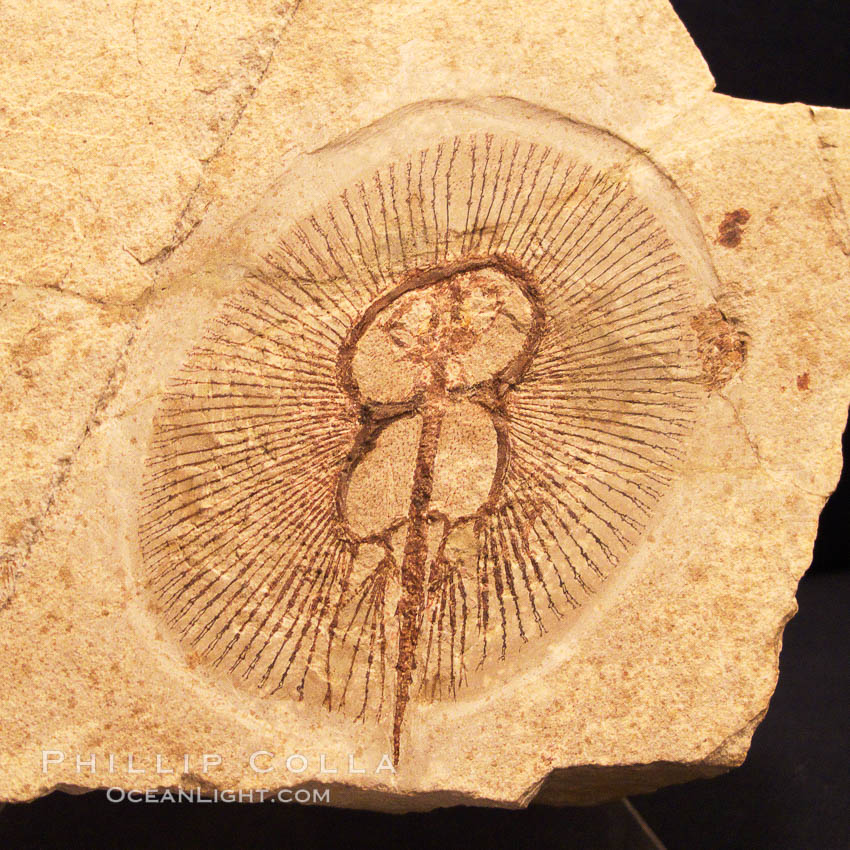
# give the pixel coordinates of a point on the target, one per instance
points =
(444, 348)
(425, 428)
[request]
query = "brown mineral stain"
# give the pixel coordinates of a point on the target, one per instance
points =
(15, 529)
(35, 343)
(8, 572)
(803, 381)
(731, 228)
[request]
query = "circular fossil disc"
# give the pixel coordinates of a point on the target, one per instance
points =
(425, 429)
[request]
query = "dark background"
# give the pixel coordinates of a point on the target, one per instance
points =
(794, 789)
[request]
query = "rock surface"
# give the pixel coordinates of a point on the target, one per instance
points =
(407, 391)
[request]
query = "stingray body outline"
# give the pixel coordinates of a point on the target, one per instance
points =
(245, 545)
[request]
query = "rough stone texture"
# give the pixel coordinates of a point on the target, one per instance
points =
(150, 156)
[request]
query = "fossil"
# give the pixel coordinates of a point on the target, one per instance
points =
(245, 263)
(426, 427)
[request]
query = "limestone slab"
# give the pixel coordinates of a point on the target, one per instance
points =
(418, 400)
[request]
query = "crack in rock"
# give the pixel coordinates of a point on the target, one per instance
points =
(190, 216)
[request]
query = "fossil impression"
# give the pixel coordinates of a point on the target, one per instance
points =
(404, 376)
(425, 429)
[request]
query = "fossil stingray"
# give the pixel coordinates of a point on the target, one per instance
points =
(425, 429)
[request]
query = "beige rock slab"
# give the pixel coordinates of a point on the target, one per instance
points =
(153, 161)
